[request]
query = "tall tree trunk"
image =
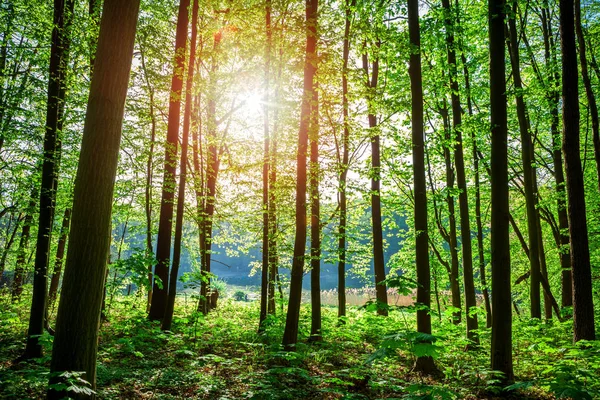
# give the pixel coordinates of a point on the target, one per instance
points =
(76, 338)
(480, 252)
(264, 292)
(378, 257)
(290, 334)
(528, 177)
(583, 304)
(60, 253)
(343, 201)
(165, 224)
(593, 107)
(553, 96)
(168, 318)
(423, 364)
(451, 235)
(463, 200)
(149, 176)
(63, 15)
(501, 351)
(315, 220)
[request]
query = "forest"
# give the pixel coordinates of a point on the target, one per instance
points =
(283, 199)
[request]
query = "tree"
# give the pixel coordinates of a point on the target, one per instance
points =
(168, 317)
(76, 338)
(583, 303)
(63, 15)
(501, 352)
(165, 225)
(424, 364)
(290, 334)
(315, 219)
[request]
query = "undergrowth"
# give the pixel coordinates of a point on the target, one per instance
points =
(221, 356)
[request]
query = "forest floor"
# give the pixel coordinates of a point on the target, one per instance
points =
(221, 356)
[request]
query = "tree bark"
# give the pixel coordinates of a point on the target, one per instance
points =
(424, 364)
(168, 317)
(501, 349)
(315, 220)
(583, 304)
(528, 177)
(63, 15)
(58, 260)
(76, 338)
(290, 334)
(165, 224)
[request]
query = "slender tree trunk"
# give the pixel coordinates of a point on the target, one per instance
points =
(378, 257)
(149, 176)
(528, 177)
(10, 239)
(423, 364)
(60, 253)
(63, 15)
(583, 304)
(344, 165)
(553, 96)
(463, 200)
(480, 252)
(76, 338)
(315, 220)
(264, 292)
(501, 351)
(587, 84)
(451, 235)
(165, 225)
(290, 334)
(168, 318)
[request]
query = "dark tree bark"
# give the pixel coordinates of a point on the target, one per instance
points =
(290, 334)
(76, 338)
(528, 177)
(149, 176)
(480, 252)
(60, 253)
(165, 224)
(553, 96)
(583, 304)
(343, 201)
(63, 15)
(463, 200)
(378, 258)
(501, 351)
(264, 289)
(424, 364)
(587, 84)
(168, 318)
(315, 220)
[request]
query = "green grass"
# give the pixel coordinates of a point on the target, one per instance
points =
(221, 356)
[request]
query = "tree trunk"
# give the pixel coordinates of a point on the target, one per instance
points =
(378, 258)
(583, 304)
(290, 334)
(60, 253)
(315, 220)
(17, 284)
(10, 239)
(501, 351)
(63, 15)
(343, 201)
(76, 338)
(463, 200)
(264, 289)
(528, 177)
(168, 317)
(165, 224)
(423, 364)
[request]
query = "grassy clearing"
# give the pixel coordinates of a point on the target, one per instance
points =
(222, 357)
